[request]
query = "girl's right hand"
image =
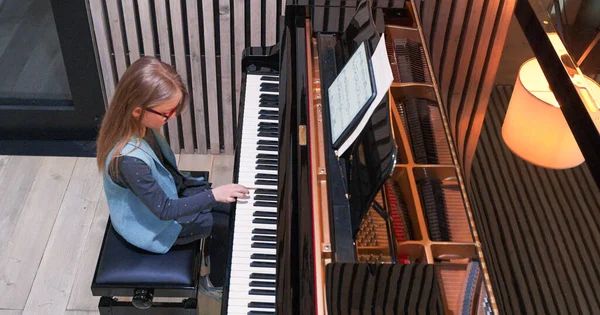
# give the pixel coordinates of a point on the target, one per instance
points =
(229, 193)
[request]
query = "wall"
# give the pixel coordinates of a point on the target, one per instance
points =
(203, 40)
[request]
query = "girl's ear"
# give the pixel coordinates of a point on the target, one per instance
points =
(137, 112)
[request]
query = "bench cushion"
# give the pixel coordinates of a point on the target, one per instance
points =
(121, 263)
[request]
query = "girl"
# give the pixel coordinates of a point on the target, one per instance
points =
(152, 204)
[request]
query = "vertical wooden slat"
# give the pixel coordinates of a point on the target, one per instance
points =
(147, 27)
(488, 84)
(162, 25)
(108, 76)
(226, 99)
(271, 22)
(255, 23)
(478, 63)
(114, 21)
(427, 19)
(211, 75)
(196, 71)
(131, 30)
(440, 34)
(181, 65)
(466, 52)
(451, 48)
(239, 34)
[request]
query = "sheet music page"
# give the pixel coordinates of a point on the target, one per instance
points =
(349, 92)
(383, 80)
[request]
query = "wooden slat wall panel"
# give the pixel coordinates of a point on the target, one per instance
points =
(148, 29)
(270, 19)
(164, 48)
(131, 30)
(465, 40)
(490, 69)
(183, 33)
(177, 19)
(196, 91)
(116, 35)
(226, 75)
(239, 43)
(255, 23)
(104, 48)
(211, 71)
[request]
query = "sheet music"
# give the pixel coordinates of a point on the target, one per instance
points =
(383, 80)
(349, 92)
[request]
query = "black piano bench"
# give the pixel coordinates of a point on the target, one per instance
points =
(128, 279)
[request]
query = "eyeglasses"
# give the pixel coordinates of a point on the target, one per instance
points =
(165, 116)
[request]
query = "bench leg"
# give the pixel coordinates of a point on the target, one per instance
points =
(108, 306)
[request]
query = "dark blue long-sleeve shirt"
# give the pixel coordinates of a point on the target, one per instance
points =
(194, 199)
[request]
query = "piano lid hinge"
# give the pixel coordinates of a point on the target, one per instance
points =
(302, 135)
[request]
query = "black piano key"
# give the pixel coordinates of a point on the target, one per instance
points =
(268, 168)
(267, 148)
(266, 162)
(267, 134)
(263, 257)
(263, 245)
(266, 156)
(265, 197)
(262, 264)
(269, 97)
(268, 112)
(261, 292)
(264, 232)
(265, 204)
(264, 238)
(262, 276)
(264, 191)
(269, 78)
(260, 313)
(268, 142)
(269, 88)
(268, 105)
(266, 176)
(265, 214)
(262, 284)
(268, 117)
(268, 129)
(265, 182)
(261, 305)
(268, 124)
(264, 221)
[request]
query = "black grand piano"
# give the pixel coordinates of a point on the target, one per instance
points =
(341, 234)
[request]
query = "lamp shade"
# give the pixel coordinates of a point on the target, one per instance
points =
(534, 127)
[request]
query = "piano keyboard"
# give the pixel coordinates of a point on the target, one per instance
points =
(252, 277)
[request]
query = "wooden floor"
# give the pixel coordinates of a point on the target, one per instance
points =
(52, 218)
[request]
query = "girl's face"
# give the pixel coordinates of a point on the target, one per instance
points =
(158, 115)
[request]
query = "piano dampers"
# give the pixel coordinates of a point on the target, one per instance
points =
(434, 208)
(410, 62)
(423, 123)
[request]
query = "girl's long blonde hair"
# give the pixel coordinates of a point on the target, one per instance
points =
(148, 82)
